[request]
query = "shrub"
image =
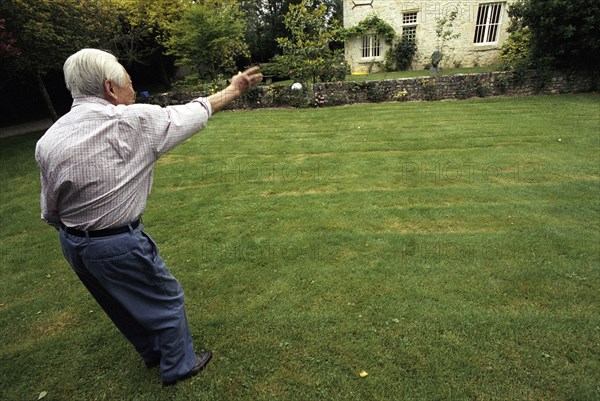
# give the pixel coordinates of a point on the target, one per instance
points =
(278, 70)
(335, 69)
(514, 54)
(483, 89)
(563, 33)
(193, 82)
(401, 55)
(429, 89)
(467, 86)
(502, 82)
(376, 93)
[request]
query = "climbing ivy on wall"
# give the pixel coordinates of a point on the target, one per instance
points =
(371, 25)
(401, 52)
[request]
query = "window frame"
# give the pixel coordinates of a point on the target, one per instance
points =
(370, 47)
(488, 23)
(411, 24)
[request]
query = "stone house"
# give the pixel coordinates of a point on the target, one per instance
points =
(480, 27)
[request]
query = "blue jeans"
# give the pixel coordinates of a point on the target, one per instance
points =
(130, 281)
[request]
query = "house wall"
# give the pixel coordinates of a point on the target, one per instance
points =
(459, 52)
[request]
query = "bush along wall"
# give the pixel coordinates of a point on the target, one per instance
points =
(426, 88)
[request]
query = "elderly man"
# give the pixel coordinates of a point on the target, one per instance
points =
(96, 166)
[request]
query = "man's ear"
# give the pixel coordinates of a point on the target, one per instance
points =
(109, 91)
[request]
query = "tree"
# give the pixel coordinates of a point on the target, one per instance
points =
(560, 33)
(48, 31)
(7, 42)
(444, 32)
(306, 50)
(210, 38)
(145, 30)
(264, 23)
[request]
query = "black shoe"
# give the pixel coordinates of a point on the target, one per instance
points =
(152, 364)
(152, 360)
(202, 359)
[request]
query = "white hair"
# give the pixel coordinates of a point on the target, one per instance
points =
(86, 71)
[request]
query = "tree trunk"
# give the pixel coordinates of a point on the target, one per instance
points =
(163, 71)
(45, 96)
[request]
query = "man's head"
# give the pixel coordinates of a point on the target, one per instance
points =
(93, 72)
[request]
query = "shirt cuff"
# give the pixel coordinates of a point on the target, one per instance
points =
(51, 220)
(205, 103)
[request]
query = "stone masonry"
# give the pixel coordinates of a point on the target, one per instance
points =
(458, 52)
(425, 88)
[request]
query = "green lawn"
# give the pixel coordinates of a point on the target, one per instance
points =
(449, 249)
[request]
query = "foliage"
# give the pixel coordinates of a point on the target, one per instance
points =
(210, 38)
(336, 69)
(306, 51)
(514, 53)
(264, 24)
(145, 28)
(374, 92)
(195, 83)
(400, 56)
(562, 33)
(161, 16)
(444, 31)
(483, 89)
(502, 83)
(401, 96)
(430, 88)
(402, 50)
(7, 42)
(277, 69)
(46, 32)
(372, 25)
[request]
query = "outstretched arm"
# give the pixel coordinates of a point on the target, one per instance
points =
(240, 83)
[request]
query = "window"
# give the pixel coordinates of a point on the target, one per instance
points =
(409, 26)
(371, 46)
(488, 23)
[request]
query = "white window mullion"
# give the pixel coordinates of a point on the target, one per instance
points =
(488, 21)
(371, 46)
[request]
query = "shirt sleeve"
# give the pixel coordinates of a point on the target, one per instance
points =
(168, 126)
(48, 201)
(49, 213)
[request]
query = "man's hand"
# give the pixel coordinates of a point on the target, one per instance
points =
(246, 80)
(239, 84)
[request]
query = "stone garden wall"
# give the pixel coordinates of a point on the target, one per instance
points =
(427, 88)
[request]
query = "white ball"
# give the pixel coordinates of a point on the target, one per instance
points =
(297, 86)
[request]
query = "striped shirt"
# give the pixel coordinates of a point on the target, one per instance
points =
(97, 161)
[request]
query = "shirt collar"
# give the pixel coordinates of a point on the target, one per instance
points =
(89, 99)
